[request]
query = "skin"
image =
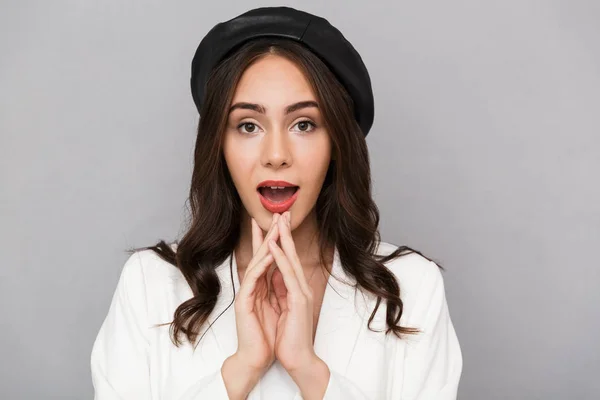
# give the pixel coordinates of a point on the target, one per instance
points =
(275, 145)
(263, 142)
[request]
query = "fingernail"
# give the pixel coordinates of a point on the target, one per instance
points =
(289, 217)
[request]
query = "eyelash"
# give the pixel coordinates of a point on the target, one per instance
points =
(314, 126)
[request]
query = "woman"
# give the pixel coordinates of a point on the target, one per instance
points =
(281, 288)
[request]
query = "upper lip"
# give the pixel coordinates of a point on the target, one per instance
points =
(275, 183)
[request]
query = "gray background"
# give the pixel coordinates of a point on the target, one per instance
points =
(485, 155)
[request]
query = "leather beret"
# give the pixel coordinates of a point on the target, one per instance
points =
(315, 32)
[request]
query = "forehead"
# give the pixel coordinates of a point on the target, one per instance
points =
(273, 80)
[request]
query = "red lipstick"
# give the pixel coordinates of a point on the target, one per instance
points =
(277, 207)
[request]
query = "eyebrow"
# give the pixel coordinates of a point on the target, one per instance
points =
(261, 109)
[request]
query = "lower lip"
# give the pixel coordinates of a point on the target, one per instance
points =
(279, 208)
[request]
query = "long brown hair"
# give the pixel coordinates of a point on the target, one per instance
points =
(347, 216)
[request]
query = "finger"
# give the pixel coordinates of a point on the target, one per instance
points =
(279, 290)
(289, 248)
(289, 276)
(274, 302)
(257, 236)
(263, 249)
(251, 277)
(273, 234)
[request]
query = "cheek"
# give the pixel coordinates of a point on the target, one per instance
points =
(241, 174)
(314, 168)
(240, 165)
(316, 157)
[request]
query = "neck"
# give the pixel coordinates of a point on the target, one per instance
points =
(306, 242)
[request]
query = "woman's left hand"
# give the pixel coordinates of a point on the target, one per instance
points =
(294, 339)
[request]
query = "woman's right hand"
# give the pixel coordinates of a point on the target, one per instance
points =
(256, 310)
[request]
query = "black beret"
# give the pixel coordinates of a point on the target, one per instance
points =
(315, 32)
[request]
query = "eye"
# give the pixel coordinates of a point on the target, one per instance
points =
(305, 125)
(249, 126)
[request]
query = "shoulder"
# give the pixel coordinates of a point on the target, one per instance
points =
(149, 287)
(145, 268)
(420, 279)
(410, 269)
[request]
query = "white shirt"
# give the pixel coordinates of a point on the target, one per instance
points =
(132, 359)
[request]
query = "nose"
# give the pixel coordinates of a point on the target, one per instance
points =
(275, 151)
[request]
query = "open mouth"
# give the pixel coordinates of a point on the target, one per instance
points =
(277, 195)
(278, 199)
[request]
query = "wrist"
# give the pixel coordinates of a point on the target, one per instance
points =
(239, 377)
(312, 378)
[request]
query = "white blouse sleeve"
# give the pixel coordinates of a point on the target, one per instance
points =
(432, 361)
(120, 362)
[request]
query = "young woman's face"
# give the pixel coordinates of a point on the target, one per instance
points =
(275, 131)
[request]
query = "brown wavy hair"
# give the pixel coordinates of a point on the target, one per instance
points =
(347, 216)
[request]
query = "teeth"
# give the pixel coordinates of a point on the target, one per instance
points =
(274, 187)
